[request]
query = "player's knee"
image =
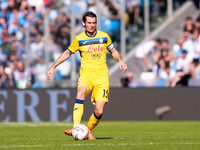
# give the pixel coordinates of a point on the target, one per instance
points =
(80, 95)
(98, 113)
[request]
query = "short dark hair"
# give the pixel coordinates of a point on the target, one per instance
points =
(158, 40)
(195, 60)
(188, 18)
(89, 14)
(165, 40)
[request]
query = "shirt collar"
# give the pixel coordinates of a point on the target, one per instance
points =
(90, 35)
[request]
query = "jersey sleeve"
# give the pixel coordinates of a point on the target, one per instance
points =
(74, 46)
(110, 45)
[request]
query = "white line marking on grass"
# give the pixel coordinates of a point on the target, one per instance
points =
(39, 139)
(16, 124)
(116, 138)
(123, 138)
(105, 144)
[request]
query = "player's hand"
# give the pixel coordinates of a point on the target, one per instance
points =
(122, 65)
(49, 73)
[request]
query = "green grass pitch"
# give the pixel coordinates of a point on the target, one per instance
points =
(111, 135)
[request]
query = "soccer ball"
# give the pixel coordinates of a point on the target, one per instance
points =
(80, 132)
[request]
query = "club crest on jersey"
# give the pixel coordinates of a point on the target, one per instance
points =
(101, 40)
(92, 49)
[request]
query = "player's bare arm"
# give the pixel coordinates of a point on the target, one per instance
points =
(117, 57)
(64, 56)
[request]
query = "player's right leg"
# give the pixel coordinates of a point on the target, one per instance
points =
(78, 107)
(79, 104)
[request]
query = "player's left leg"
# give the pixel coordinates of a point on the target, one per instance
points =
(95, 118)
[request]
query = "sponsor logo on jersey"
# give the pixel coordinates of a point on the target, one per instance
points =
(92, 49)
(85, 42)
(96, 56)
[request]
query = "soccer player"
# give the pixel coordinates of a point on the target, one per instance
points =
(92, 45)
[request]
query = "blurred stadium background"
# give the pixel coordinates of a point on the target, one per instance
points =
(34, 33)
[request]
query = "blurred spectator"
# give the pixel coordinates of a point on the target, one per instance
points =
(6, 46)
(110, 20)
(177, 52)
(195, 68)
(6, 81)
(4, 6)
(11, 5)
(3, 57)
(61, 20)
(34, 31)
(196, 37)
(13, 27)
(177, 48)
(13, 37)
(18, 4)
(38, 4)
(91, 6)
(19, 16)
(194, 74)
(159, 66)
(37, 49)
(188, 45)
(104, 12)
(167, 73)
(5, 32)
(133, 10)
(144, 50)
(63, 37)
(12, 20)
(23, 5)
(53, 47)
(14, 54)
(80, 8)
(183, 71)
(124, 82)
(197, 23)
(128, 81)
(189, 25)
(22, 75)
(3, 24)
(55, 4)
(33, 14)
(165, 52)
(113, 12)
